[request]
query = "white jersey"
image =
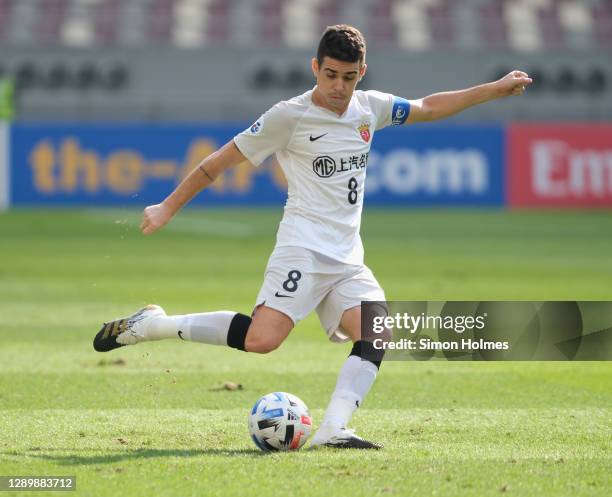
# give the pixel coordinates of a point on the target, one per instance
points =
(324, 158)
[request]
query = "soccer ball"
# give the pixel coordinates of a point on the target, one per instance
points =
(279, 421)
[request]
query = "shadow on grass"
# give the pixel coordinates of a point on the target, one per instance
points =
(70, 458)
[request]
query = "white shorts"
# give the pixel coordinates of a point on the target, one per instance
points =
(298, 281)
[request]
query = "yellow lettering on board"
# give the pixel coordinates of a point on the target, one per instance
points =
(42, 161)
(75, 164)
(243, 177)
(124, 171)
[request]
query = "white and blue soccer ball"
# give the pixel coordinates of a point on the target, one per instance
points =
(279, 421)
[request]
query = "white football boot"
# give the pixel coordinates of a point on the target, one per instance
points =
(126, 331)
(341, 438)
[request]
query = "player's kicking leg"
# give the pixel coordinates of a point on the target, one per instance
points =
(262, 333)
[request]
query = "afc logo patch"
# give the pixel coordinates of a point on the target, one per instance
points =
(364, 131)
(400, 111)
(256, 127)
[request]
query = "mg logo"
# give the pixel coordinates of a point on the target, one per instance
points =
(324, 166)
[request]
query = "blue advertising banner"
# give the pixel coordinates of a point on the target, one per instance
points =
(137, 164)
(120, 164)
(433, 165)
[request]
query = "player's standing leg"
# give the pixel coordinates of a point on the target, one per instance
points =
(354, 382)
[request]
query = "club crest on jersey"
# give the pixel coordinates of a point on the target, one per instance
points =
(364, 131)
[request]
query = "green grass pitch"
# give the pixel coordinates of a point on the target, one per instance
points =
(152, 420)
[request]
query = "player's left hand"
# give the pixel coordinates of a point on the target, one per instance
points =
(513, 83)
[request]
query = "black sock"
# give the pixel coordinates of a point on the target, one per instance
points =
(366, 351)
(236, 335)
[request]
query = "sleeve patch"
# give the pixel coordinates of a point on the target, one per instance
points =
(256, 126)
(401, 109)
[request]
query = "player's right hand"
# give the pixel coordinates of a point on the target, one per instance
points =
(154, 217)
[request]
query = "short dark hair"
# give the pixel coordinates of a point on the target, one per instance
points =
(342, 42)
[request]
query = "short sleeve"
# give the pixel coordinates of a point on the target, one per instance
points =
(389, 109)
(268, 134)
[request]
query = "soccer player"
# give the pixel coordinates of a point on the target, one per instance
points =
(321, 139)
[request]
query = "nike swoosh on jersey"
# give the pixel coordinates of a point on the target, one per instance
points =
(180, 334)
(281, 295)
(315, 138)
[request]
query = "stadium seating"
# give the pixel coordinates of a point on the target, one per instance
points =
(415, 25)
(150, 59)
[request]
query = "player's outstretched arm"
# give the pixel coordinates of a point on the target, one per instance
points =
(445, 104)
(157, 216)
